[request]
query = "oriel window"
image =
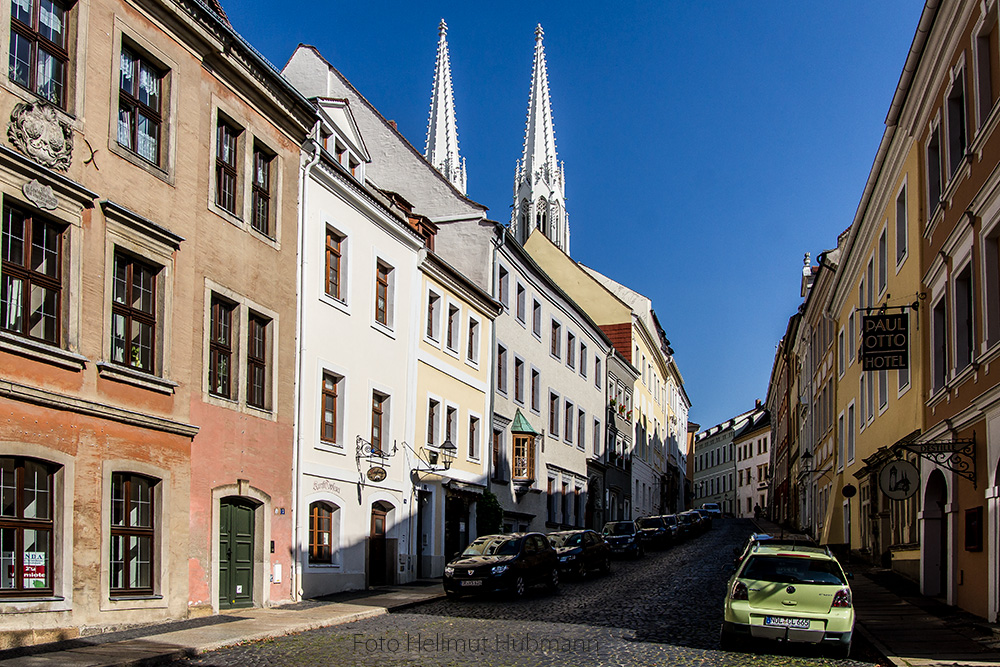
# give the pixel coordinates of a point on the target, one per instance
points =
(30, 276)
(133, 313)
(524, 457)
(38, 55)
(139, 117)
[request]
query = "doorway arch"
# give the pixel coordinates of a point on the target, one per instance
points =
(380, 547)
(934, 537)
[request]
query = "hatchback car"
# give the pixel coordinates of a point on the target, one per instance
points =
(656, 532)
(714, 508)
(623, 536)
(789, 592)
(581, 551)
(503, 563)
(694, 521)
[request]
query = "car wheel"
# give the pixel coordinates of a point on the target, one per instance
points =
(452, 595)
(553, 585)
(606, 565)
(727, 641)
(519, 587)
(581, 570)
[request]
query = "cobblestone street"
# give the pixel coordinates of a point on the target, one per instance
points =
(642, 614)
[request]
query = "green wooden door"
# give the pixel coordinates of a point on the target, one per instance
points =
(236, 542)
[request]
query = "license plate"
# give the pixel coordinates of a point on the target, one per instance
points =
(473, 582)
(779, 621)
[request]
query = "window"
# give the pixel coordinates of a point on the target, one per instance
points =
(851, 333)
(883, 389)
(378, 418)
(323, 532)
(133, 313)
(536, 318)
(501, 369)
(450, 424)
(497, 446)
(583, 360)
(597, 437)
(502, 286)
(226, 144)
(957, 136)
(139, 117)
(964, 345)
(220, 349)
(556, 348)
(26, 527)
(565, 502)
(334, 259)
(986, 71)
(883, 262)
(520, 306)
(451, 340)
(850, 433)
(38, 48)
(901, 233)
(550, 500)
(570, 350)
(939, 350)
(524, 457)
(331, 396)
(934, 185)
(597, 371)
(581, 429)
(871, 283)
(518, 380)
(862, 402)
(841, 357)
(432, 421)
(257, 362)
(536, 380)
(383, 294)
(473, 351)
(473, 437)
(569, 422)
(31, 276)
(131, 534)
(261, 190)
(554, 415)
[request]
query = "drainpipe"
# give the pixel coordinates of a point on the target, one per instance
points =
(295, 571)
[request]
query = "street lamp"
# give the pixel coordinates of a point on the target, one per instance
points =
(448, 452)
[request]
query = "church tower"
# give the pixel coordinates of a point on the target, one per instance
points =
(539, 186)
(441, 149)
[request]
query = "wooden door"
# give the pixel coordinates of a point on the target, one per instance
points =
(236, 554)
(376, 549)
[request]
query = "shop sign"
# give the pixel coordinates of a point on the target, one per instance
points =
(376, 474)
(884, 342)
(899, 479)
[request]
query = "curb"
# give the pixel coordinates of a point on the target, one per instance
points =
(879, 646)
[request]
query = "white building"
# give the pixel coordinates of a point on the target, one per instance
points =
(715, 463)
(752, 443)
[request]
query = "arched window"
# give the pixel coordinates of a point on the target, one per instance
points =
(523, 216)
(26, 527)
(542, 216)
(324, 531)
(132, 524)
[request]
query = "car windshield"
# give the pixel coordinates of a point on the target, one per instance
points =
(493, 546)
(684, 518)
(566, 539)
(670, 520)
(619, 528)
(652, 522)
(794, 570)
(710, 506)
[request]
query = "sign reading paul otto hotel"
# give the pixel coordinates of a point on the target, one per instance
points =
(884, 342)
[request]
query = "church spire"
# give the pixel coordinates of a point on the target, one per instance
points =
(539, 185)
(442, 134)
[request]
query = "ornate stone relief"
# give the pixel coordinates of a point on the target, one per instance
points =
(40, 195)
(37, 131)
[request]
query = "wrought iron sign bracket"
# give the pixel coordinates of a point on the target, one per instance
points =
(365, 451)
(958, 456)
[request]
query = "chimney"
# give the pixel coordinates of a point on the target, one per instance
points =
(757, 404)
(393, 123)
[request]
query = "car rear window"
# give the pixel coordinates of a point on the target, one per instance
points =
(621, 528)
(566, 539)
(493, 547)
(793, 570)
(653, 522)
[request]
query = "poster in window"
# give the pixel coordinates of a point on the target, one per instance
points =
(974, 529)
(34, 569)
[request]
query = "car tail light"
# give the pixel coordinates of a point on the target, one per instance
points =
(842, 598)
(740, 592)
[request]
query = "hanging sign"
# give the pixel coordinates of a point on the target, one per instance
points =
(899, 479)
(885, 341)
(376, 474)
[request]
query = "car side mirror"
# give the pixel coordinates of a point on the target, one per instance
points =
(850, 575)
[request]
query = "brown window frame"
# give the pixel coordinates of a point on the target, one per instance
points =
(320, 524)
(220, 347)
(451, 334)
(334, 257)
(378, 415)
(526, 464)
(134, 315)
(260, 218)
(60, 52)
(226, 171)
(18, 523)
(130, 104)
(331, 394)
(473, 437)
(127, 530)
(257, 370)
(382, 272)
(29, 278)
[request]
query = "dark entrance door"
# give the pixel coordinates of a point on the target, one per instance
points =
(376, 548)
(456, 525)
(236, 545)
(423, 539)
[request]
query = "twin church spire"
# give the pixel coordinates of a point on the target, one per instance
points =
(539, 183)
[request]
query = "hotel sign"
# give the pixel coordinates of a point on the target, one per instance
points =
(884, 342)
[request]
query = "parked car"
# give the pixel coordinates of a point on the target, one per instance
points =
(714, 508)
(789, 592)
(623, 537)
(581, 551)
(687, 526)
(757, 538)
(503, 563)
(706, 517)
(697, 523)
(655, 532)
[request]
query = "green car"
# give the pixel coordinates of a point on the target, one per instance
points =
(789, 592)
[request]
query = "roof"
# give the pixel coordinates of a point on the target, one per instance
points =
(521, 425)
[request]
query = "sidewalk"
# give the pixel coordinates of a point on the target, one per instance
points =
(911, 630)
(160, 644)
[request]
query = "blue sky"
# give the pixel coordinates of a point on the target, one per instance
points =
(708, 144)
